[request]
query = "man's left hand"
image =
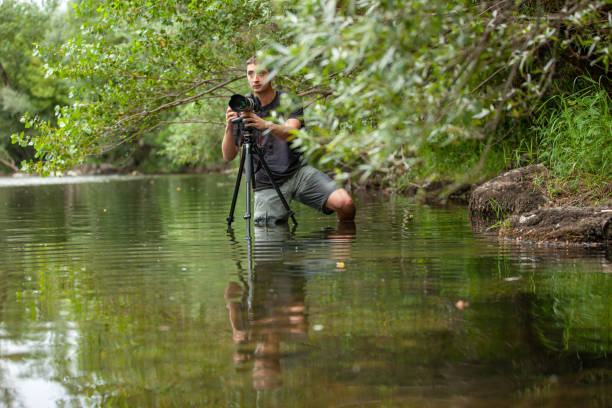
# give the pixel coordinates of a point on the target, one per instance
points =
(251, 120)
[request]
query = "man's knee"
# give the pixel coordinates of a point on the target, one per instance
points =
(342, 203)
(340, 199)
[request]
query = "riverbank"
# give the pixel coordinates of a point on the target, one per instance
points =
(519, 204)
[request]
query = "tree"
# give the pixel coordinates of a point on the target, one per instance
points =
(24, 85)
(137, 66)
(412, 80)
(399, 90)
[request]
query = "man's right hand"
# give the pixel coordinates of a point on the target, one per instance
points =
(229, 115)
(228, 146)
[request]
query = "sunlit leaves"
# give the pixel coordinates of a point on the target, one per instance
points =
(135, 63)
(405, 75)
(385, 80)
(26, 83)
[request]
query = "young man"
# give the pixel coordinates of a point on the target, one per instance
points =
(297, 180)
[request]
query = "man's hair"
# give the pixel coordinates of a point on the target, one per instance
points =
(252, 60)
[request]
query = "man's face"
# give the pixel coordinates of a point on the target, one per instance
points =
(257, 77)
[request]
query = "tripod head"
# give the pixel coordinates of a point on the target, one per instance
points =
(246, 134)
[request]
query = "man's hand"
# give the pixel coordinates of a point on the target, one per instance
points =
(229, 115)
(251, 120)
(228, 146)
(282, 132)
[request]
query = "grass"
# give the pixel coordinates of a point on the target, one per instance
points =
(500, 215)
(575, 133)
(570, 133)
(574, 136)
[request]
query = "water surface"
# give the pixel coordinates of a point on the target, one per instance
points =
(130, 291)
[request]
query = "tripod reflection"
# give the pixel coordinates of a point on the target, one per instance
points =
(267, 307)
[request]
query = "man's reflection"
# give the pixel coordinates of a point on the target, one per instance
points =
(268, 307)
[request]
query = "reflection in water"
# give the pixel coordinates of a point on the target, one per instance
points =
(269, 306)
(111, 294)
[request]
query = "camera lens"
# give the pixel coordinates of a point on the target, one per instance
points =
(240, 103)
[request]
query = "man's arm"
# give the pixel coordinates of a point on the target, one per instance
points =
(228, 146)
(282, 132)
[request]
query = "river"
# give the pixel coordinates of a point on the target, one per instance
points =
(131, 291)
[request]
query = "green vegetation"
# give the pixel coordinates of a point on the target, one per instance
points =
(138, 72)
(500, 215)
(24, 83)
(438, 89)
(398, 92)
(575, 136)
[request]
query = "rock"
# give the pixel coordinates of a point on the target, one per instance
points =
(572, 224)
(106, 168)
(436, 186)
(20, 174)
(440, 192)
(513, 192)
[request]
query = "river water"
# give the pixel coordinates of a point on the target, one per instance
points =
(130, 291)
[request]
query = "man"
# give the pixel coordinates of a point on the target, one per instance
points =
(296, 179)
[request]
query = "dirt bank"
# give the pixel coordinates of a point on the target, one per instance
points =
(517, 205)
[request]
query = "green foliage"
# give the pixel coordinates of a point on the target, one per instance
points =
(575, 132)
(500, 215)
(396, 90)
(402, 77)
(134, 64)
(194, 142)
(24, 84)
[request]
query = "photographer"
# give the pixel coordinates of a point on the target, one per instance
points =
(296, 179)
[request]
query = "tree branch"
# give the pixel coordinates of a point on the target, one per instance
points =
(9, 164)
(156, 126)
(178, 122)
(178, 102)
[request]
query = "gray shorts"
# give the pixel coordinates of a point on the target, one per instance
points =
(308, 186)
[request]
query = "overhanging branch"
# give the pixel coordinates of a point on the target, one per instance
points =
(175, 103)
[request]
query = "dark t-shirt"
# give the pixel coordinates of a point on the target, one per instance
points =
(282, 159)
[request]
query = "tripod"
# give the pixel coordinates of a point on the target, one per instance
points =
(246, 158)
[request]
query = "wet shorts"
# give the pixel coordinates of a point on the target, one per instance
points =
(308, 186)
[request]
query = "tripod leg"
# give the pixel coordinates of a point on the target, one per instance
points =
(230, 218)
(248, 177)
(278, 190)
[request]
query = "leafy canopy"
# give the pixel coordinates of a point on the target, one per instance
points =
(406, 77)
(134, 64)
(388, 82)
(24, 85)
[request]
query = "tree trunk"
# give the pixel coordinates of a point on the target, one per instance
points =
(4, 76)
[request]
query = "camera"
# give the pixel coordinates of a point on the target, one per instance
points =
(247, 103)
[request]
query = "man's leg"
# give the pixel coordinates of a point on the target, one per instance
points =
(317, 190)
(341, 202)
(268, 208)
